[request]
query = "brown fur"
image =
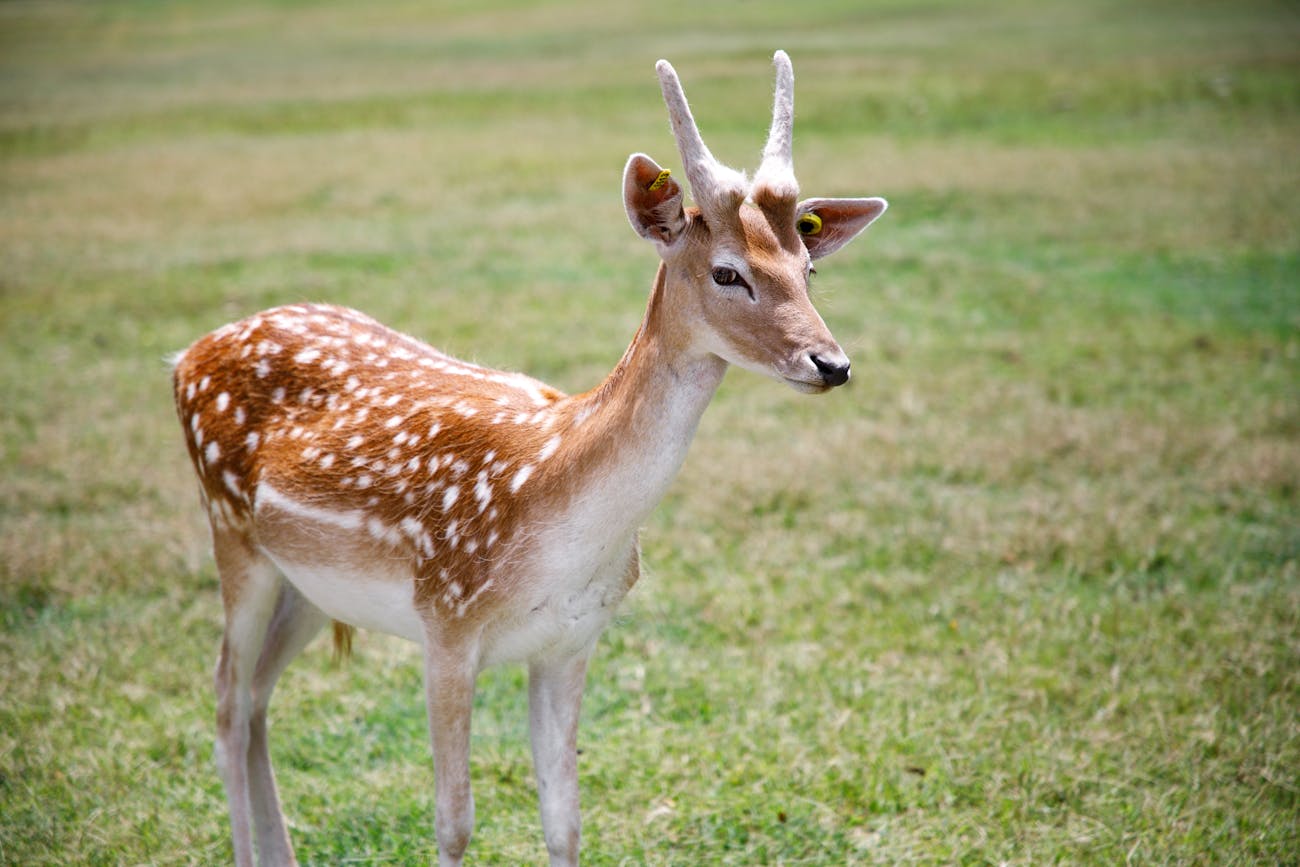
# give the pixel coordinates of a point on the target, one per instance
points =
(337, 411)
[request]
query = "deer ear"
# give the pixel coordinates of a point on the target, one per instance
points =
(828, 224)
(653, 201)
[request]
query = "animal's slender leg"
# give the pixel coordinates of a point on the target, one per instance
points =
(554, 701)
(250, 588)
(449, 675)
(295, 622)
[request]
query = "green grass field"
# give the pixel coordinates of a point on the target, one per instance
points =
(1027, 592)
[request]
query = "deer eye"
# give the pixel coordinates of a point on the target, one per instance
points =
(724, 276)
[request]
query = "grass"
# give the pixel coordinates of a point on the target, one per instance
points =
(1026, 593)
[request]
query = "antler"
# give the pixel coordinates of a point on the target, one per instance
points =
(716, 188)
(776, 173)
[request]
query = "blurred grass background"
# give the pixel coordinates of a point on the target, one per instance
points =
(1025, 593)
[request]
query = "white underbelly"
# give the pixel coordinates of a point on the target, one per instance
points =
(384, 602)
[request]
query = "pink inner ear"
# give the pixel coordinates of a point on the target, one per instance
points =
(842, 221)
(645, 173)
(653, 200)
(850, 211)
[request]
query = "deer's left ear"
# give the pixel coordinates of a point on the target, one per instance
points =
(653, 201)
(828, 224)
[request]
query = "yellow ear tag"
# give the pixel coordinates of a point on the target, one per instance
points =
(808, 224)
(659, 181)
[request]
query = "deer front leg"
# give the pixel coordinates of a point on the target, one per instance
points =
(554, 701)
(449, 674)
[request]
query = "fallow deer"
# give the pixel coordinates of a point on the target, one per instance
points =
(356, 475)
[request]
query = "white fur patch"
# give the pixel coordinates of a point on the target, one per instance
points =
(520, 477)
(345, 519)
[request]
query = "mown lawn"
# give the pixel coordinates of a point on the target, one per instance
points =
(1027, 592)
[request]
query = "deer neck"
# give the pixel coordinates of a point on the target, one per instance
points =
(640, 421)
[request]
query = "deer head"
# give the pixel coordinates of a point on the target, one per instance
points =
(736, 266)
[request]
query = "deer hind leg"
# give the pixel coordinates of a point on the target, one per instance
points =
(449, 675)
(554, 700)
(250, 589)
(294, 623)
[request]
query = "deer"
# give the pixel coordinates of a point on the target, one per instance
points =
(354, 475)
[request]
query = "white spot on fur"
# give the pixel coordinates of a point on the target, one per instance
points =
(232, 483)
(382, 531)
(549, 449)
(483, 491)
(223, 401)
(460, 610)
(213, 453)
(449, 497)
(520, 477)
(307, 356)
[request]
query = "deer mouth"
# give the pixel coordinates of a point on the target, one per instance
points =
(807, 386)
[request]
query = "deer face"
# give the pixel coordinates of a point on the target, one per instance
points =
(737, 266)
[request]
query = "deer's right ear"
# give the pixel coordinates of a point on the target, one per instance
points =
(653, 201)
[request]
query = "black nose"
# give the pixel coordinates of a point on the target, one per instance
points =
(833, 372)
